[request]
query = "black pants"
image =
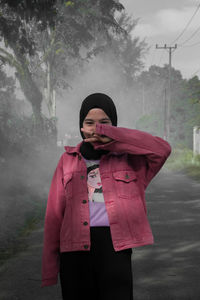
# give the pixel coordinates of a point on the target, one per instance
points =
(98, 274)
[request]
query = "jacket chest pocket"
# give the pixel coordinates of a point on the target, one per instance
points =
(125, 183)
(67, 181)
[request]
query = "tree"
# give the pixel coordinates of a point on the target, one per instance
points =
(129, 50)
(73, 40)
(67, 27)
(7, 109)
(124, 50)
(193, 87)
(42, 11)
(185, 108)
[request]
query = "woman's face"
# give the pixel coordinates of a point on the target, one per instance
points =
(94, 116)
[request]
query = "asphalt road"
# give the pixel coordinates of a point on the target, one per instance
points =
(167, 270)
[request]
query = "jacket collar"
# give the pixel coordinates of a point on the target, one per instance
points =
(71, 150)
(76, 149)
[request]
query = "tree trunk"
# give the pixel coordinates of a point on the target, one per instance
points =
(32, 94)
(29, 88)
(49, 92)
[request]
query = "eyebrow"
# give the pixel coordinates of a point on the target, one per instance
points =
(104, 119)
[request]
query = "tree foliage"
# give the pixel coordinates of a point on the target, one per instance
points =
(193, 88)
(47, 41)
(128, 49)
(67, 27)
(17, 129)
(184, 108)
(7, 109)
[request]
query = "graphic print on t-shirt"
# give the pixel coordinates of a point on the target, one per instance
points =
(97, 208)
(94, 184)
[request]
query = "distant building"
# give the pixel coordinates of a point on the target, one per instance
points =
(196, 140)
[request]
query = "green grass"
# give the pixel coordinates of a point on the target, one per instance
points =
(193, 171)
(183, 160)
(31, 221)
(19, 243)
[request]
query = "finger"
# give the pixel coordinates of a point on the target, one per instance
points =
(83, 130)
(88, 133)
(90, 140)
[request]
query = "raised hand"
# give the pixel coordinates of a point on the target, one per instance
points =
(93, 137)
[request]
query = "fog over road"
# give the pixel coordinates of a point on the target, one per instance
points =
(167, 270)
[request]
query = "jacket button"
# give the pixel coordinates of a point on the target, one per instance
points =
(84, 201)
(86, 246)
(127, 177)
(79, 157)
(85, 223)
(82, 177)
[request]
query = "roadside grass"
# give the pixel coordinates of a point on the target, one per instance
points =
(183, 160)
(19, 243)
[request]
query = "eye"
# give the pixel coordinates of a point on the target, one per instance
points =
(105, 122)
(88, 123)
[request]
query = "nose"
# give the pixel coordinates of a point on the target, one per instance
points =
(93, 128)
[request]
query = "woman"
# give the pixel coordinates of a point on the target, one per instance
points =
(96, 211)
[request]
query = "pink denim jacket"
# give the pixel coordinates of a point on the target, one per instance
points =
(133, 160)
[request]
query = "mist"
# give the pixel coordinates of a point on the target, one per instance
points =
(98, 76)
(26, 177)
(33, 137)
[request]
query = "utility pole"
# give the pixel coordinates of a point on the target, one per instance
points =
(165, 114)
(143, 100)
(170, 49)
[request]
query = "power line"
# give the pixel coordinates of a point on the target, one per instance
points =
(163, 51)
(170, 48)
(192, 45)
(194, 33)
(187, 25)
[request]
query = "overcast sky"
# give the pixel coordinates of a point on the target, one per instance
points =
(161, 22)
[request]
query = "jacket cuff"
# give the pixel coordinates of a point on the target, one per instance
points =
(47, 282)
(100, 130)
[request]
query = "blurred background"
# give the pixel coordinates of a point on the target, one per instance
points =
(54, 53)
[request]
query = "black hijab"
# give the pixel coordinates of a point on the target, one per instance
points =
(104, 102)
